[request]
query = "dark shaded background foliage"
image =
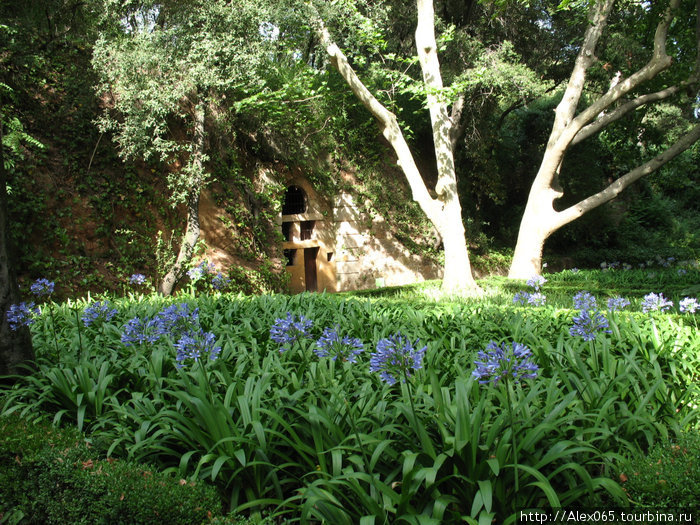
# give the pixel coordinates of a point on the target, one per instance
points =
(82, 214)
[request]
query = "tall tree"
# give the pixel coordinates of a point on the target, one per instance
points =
(443, 210)
(573, 124)
(15, 345)
(167, 68)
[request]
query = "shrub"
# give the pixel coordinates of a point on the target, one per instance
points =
(52, 475)
(668, 476)
(295, 435)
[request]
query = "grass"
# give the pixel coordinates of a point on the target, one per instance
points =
(292, 437)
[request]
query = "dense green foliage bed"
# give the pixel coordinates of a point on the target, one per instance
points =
(290, 435)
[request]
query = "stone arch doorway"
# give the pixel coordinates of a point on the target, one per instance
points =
(295, 201)
(308, 238)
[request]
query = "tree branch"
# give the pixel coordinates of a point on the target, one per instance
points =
(619, 112)
(426, 48)
(613, 190)
(387, 120)
(658, 62)
(586, 56)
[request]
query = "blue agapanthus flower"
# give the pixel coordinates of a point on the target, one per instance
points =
(201, 270)
(290, 329)
(195, 273)
(98, 311)
(508, 362)
(395, 357)
(588, 323)
(533, 299)
(137, 278)
(688, 305)
(330, 344)
(521, 298)
(617, 303)
(584, 301)
(537, 299)
(653, 302)
(536, 281)
(138, 331)
(42, 287)
(22, 314)
(175, 320)
(220, 281)
(195, 345)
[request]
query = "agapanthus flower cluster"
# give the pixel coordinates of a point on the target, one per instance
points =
(584, 301)
(521, 298)
(688, 305)
(655, 302)
(535, 298)
(138, 331)
(194, 345)
(138, 279)
(220, 281)
(201, 270)
(175, 320)
(98, 311)
(287, 331)
(535, 282)
(177, 323)
(345, 348)
(22, 314)
(507, 362)
(589, 322)
(42, 287)
(395, 357)
(609, 266)
(617, 303)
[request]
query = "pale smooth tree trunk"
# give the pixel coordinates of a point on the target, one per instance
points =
(540, 218)
(458, 275)
(445, 211)
(191, 235)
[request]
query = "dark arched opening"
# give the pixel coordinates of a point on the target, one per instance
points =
(294, 201)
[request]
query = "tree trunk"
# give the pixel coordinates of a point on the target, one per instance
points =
(527, 259)
(445, 211)
(458, 276)
(540, 219)
(15, 346)
(191, 235)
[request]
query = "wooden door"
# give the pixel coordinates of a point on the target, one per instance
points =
(310, 269)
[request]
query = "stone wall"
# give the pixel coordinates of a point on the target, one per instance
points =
(368, 254)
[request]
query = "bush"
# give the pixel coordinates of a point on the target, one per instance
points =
(51, 475)
(668, 476)
(294, 435)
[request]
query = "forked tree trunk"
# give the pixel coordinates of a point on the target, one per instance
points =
(191, 235)
(445, 211)
(540, 218)
(457, 274)
(15, 346)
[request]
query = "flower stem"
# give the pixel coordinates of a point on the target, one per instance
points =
(80, 337)
(410, 399)
(351, 419)
(53, 327)
(513, 444)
